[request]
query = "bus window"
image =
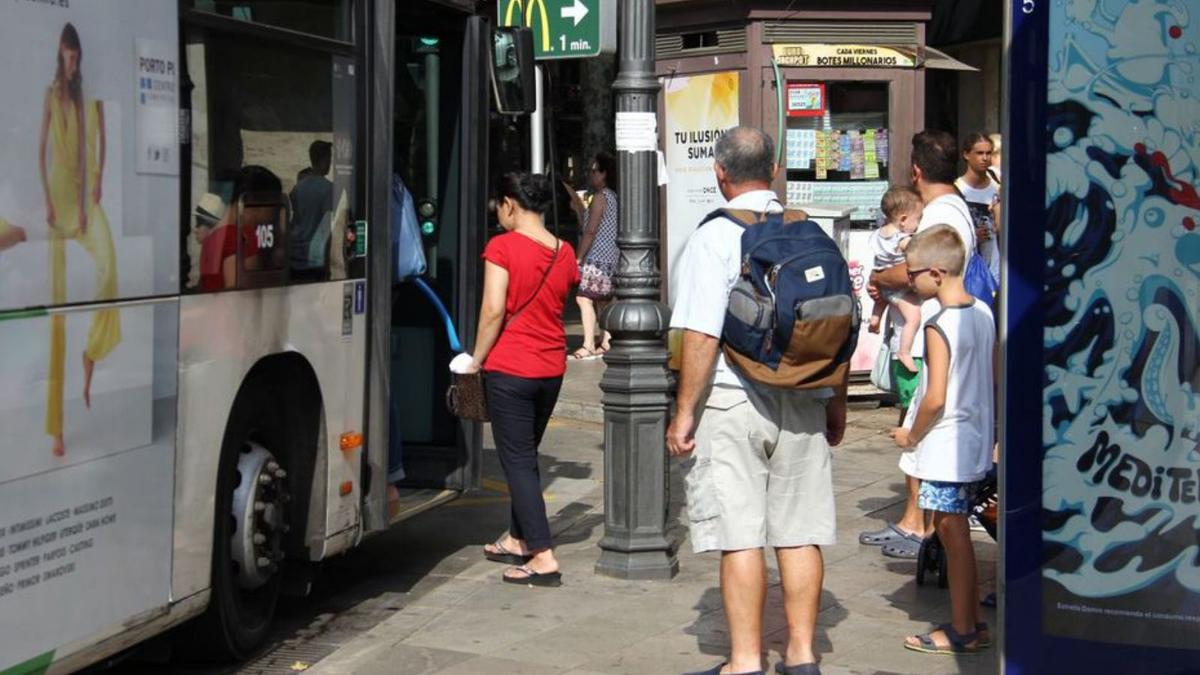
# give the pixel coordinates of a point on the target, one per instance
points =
(327, 18)
(283, 119)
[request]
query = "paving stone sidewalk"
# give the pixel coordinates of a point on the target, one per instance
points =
(457, 617)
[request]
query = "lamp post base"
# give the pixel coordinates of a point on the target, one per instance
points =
(657, 565)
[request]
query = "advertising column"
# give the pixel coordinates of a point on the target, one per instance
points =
(1121, 396)
(89, 232)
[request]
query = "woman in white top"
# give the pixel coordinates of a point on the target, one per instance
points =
(981, 192)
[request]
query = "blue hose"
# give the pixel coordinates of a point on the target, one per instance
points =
(451, 331)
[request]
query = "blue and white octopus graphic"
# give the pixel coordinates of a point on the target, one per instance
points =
(1121, 413)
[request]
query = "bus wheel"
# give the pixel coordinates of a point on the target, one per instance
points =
(259, 506)
(249, 537)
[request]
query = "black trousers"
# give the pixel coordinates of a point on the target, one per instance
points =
(520, 408)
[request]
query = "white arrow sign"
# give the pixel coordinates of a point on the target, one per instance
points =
(576, 11)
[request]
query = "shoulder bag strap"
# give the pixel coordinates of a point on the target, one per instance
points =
(545, 275)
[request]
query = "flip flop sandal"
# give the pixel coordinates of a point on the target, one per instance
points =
(503, 555)
(532, 578)
(906, 548)
(588, 354)
(890, 533)
(802, 669)
(958, 643)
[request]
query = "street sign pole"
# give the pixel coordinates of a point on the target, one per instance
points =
(562, 29)
(537, 125)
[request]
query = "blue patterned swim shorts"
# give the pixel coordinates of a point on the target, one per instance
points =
(946, 497)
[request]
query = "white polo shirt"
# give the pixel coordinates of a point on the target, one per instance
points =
(949, 209)
(709, 267)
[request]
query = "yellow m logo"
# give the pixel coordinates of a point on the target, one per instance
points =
(540, 6)
(508, 12)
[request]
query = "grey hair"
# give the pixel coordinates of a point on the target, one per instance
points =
(747, 155)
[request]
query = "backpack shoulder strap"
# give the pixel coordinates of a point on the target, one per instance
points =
(741, 217)
(794, 216)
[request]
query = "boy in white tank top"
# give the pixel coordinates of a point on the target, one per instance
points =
(950, 424)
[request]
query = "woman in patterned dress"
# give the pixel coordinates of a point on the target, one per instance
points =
(597, 252)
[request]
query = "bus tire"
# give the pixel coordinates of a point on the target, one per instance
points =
(241, 609)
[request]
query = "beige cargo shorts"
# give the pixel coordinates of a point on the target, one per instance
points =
(762, 472)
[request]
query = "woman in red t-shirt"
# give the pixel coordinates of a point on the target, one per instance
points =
(521, 346)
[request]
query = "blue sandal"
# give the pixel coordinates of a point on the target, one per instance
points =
(802, 669)
(959, 644)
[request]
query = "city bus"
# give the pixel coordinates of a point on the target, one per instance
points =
(211, 378)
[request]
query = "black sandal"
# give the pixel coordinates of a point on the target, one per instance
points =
(503, 555)
(532, 578)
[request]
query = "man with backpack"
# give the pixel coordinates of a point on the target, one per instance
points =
(762, 474)
(934, 170)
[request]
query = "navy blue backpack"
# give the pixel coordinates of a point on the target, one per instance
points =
(793, 317)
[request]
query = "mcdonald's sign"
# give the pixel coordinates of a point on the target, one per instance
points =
(564, 29)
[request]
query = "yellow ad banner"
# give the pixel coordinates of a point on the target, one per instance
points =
(845, 56)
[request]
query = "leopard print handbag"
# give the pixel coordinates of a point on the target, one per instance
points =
(466, 397)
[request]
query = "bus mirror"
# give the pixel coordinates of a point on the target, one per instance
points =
(511, 67)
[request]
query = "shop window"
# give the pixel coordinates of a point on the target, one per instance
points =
(272, 163)
(838, 144)
(326, 18)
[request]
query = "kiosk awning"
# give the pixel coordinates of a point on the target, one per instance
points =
(936, 59)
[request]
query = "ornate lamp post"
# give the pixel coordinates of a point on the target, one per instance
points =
(635, 384)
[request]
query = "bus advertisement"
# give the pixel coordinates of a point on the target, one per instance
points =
(87, 372)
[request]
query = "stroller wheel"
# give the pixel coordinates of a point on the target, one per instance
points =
(943, 577)
(927, 557)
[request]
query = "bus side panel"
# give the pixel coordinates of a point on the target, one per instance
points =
(85, 535)
(222, 337)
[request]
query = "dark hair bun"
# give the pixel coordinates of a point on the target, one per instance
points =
(531, 191)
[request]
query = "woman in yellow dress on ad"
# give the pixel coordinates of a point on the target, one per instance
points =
(71, 160)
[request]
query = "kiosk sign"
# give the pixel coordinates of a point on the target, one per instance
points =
(564, 29)
(845, 56)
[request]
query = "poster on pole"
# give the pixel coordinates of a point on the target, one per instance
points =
(699, 108)
(89, 187)
(1121, 368)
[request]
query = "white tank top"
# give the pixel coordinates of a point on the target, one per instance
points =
(958, 448)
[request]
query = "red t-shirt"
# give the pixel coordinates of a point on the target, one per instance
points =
(535, 344)
(220, 244)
